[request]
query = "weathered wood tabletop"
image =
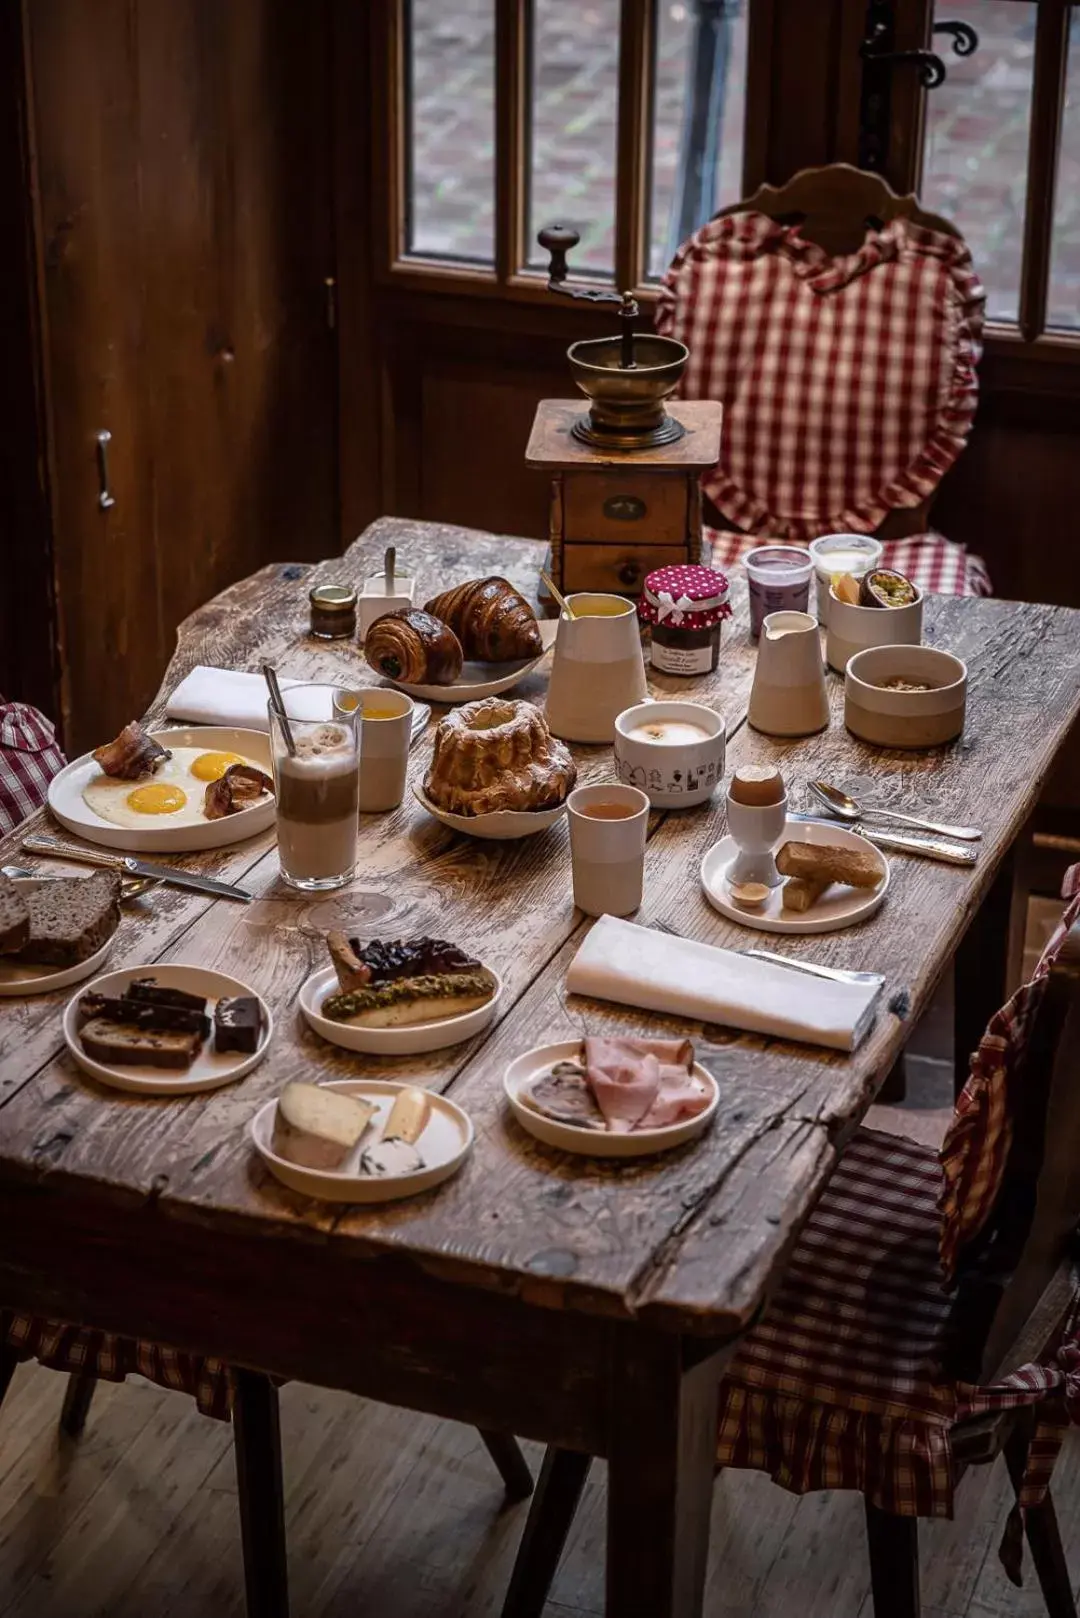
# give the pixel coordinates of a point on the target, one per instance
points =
(534, 1292)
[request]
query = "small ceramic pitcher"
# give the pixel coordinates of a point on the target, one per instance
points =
(788, 696)
(597, 669)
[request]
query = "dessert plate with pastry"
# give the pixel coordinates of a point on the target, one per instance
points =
(361, 1140)
(496, 771)
(476, 640)
(55, 931)
(167, 1030)
(832, 878)
(399, 998)
(168, 791)
(617, 1097)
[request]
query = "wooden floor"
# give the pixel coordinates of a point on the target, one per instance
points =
(393, 1515)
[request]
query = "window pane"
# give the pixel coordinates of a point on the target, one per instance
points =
(977, 128)
(698, 121)
(574, 104)
(450, 71)
(1063, 307)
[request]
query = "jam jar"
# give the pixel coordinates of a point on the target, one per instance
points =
(333, 611)
(684, 605)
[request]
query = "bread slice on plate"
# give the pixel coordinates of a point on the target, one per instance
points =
(119, 1044)
(14, 918)
(71, 918)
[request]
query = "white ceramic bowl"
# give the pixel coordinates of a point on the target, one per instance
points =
(444, 1145)
(672, 776)
(428, 1036)
(502, 825)
(210, 1069)
(67, 804)
(853, 629)
(906, 719)
(594, 1142)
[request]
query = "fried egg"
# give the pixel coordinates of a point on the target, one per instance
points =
(173, 795)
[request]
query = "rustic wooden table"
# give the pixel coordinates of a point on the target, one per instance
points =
(573, 1302)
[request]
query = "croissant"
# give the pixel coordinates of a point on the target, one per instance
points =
(493, 622)
(413, 647)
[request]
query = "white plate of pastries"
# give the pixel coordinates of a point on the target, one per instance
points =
(475, 640)
(496, 770)
(612, 1097)
(832, 879)
(399, 997)
(169, 791)
(361, 1140)
(167, 1030)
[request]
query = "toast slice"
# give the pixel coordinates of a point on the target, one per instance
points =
(71, 918)
(802, 892)
(126, 1045)
(14, 918)
(830, 862)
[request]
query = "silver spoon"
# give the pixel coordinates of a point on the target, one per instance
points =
(132, 887)
(845, 807)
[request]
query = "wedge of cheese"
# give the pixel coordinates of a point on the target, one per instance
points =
(318, 1128)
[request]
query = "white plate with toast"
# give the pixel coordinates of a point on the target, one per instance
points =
(209, 1070)
(500, 825)
(444, 1144)
(836, 908)
(525, 1070)
(409, 1039)
(478, 680)
(21, 978)
(158, 837)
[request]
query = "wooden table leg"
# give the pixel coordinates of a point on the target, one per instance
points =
(989, 958)
(661, 1465)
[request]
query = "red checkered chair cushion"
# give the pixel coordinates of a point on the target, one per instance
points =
(102, 1354)
(29, 758)
(934, 563)
(848, 383)
(845, 1383)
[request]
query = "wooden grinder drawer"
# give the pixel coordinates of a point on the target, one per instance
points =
(625, 508)
(620, 570)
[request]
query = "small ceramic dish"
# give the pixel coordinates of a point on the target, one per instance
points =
(838, 906)
(478, 680)
(888, 717)
(210, 1069)
(444, 1145)
(18, 978)
(852, 629)
(409, 1041)
(501, 825)
(675, 775)
(71, 810)
(524, 1070)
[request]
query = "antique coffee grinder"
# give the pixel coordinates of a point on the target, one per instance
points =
(624, 473)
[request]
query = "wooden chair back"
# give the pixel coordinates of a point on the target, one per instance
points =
(836, 205)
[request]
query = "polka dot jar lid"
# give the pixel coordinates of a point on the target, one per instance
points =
(685, 597)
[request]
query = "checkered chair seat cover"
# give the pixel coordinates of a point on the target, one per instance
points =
(935, 564)
(848, 383)
(112, 1359)
(29, 758)
(843, 1384)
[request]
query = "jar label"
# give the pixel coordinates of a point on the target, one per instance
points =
(681, 659)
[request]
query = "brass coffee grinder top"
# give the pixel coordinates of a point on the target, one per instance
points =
(626, 378)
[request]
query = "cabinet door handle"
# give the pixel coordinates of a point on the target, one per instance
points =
(630, 573)
(104, 499)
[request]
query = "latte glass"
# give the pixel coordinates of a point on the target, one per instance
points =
(318, 785)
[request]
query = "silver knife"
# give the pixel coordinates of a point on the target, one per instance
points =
(931, 848)
(839, 974)
(38, 843)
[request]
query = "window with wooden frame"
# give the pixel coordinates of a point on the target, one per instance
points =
(624, 118)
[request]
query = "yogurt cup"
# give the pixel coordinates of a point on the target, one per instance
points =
(835, 554)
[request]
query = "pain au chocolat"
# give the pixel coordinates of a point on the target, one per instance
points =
(497, 754)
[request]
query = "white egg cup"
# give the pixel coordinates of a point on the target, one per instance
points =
(757, 830)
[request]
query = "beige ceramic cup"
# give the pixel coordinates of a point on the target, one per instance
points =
(385, 736)
(608, 854)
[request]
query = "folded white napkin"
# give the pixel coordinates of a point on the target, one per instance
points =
(639, 967)
(209, 696)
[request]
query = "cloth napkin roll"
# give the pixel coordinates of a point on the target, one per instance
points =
(209, 696)
(639, 967)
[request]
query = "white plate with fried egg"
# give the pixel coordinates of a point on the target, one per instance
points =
(162, 812)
